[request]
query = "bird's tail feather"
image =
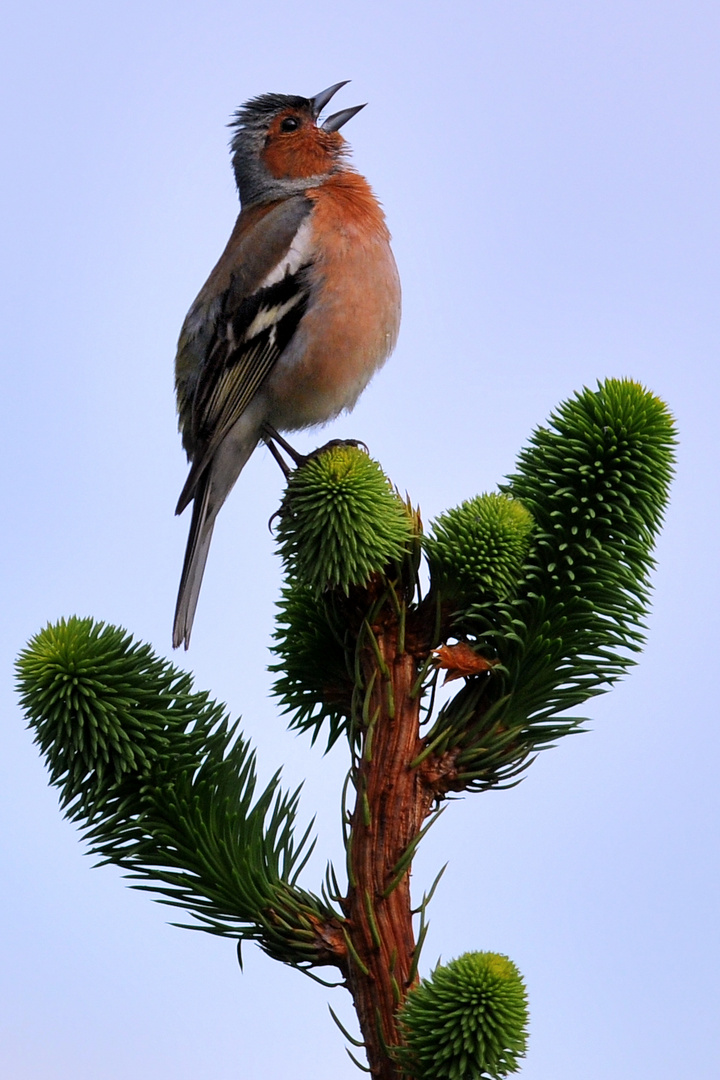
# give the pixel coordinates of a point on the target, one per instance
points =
(208, 493)
(196, 554)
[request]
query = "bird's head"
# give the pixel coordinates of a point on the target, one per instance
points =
(280, 149)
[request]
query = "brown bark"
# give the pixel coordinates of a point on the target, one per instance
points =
(392, 803)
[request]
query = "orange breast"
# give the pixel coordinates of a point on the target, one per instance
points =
(353, 318)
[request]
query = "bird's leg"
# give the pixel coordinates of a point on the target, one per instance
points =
(278, 456)
(271, 436)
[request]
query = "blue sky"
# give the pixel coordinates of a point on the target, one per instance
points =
(550, 176)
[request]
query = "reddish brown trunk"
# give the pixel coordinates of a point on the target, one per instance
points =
(392, 803)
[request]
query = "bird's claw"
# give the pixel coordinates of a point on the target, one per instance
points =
(356, 443)
(271, 436)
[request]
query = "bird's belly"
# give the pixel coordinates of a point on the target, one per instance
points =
(340, 343)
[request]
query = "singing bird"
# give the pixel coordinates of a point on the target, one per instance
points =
(300, 311)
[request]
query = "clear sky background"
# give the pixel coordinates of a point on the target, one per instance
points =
(550, 174)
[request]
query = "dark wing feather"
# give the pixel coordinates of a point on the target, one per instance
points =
(245, 347)
(262, 239)
(248, 343)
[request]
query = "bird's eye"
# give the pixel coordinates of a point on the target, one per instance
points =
(290, 123)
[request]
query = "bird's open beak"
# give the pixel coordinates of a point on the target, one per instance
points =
(336, 121)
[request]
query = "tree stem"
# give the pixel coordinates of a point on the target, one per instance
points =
(392, 802)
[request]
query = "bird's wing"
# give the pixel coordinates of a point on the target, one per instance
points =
(239, 326)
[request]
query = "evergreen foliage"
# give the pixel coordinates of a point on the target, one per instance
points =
(165, 788)
(314, 683)
(477, 550)
(467, 1021)
(107, 713)
(341, 521)
(536, 602)
(596, 482)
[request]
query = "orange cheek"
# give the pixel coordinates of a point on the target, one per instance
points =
(294, 156)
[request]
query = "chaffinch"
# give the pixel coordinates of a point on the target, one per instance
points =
(300, 311)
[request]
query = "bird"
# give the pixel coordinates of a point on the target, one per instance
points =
(300, 311)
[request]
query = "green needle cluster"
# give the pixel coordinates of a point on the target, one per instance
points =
(104, 710)
(476, 551)
(596, 481)
(467, 1021)
(341, 521)
(165, 786)
(313, 681)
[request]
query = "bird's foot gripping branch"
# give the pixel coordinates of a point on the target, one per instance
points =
(536, 600)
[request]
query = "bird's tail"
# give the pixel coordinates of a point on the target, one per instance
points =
(209, 492)
(196, 553)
